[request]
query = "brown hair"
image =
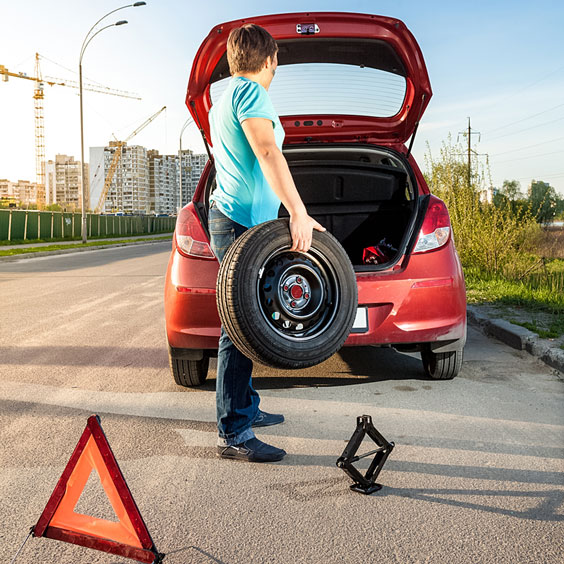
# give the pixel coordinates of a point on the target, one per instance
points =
(248, 47)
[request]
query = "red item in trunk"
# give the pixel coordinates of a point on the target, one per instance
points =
(381, 253)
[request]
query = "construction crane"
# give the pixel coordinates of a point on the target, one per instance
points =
(38, 97)
(115, 160)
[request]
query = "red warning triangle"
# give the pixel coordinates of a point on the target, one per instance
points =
(126, 537)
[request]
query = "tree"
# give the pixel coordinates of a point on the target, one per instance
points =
(512, 189)
(511, 197)
(543, 201)
(559, 212)
(488, 236)
(500, 200)
(53, 207)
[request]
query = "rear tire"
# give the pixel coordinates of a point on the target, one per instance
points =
(442, 366)
(189, 373)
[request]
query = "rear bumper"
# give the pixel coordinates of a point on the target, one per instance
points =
(423, 302)
(192, 321)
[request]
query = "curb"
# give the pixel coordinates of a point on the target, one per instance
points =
(518, 337)
(79, 250)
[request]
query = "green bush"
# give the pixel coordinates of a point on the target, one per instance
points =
(506, 255)
(492, 239)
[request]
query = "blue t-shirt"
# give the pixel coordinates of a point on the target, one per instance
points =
(242, 192)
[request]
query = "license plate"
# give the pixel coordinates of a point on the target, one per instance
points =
(360, 324)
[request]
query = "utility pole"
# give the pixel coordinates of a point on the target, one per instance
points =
(468, 134)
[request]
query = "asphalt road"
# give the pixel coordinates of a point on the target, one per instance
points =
(476, 475)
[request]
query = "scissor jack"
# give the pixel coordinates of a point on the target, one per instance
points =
(365, 484)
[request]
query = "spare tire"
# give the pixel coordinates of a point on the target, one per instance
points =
(283, 308)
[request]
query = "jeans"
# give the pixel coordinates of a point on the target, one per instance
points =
(237, 402)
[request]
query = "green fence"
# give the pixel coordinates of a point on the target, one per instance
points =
(18, 225)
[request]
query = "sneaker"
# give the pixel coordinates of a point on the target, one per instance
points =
(264, 419)
(252, 450)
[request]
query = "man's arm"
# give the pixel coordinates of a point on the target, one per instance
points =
(260, 134)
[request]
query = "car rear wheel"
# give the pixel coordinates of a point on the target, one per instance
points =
(442, 366)
(285, 308)
(189, 373)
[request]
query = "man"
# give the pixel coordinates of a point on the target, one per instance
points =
(252, 179)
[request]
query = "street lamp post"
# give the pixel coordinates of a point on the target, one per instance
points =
(186, 123)
(85, 43)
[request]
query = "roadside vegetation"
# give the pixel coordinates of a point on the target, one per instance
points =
(26, 250)
(511, 253)
(61, 239)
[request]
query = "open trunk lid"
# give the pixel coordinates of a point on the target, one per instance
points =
(367, 58)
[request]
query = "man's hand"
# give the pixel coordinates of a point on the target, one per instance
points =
(301, 229)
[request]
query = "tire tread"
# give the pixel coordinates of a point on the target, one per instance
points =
(238, 326)
(442, 366)
(189, 373)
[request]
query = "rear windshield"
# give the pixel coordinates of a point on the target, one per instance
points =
(331, 88)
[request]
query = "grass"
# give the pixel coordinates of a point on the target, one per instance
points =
(540, 292)
(27, 250)
(513, 266)
(554, 330)
(538, 297)
(79, 238)
(543, 287)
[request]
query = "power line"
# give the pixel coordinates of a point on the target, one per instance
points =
(527, 147)
(534, 83)
(530, 157)
(527, 128)
(526, 118)
(557, 175)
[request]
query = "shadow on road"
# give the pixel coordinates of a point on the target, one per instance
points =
(365, 365)
(517, 475)
(167, 441)
(381, 364)
(547, 509)
(72, 355)
(358, 365)
(145, 437)
(185, 550)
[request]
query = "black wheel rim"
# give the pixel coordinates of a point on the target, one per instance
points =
(298, 293)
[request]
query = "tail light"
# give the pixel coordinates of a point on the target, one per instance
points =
(190, 237)
(435, 230)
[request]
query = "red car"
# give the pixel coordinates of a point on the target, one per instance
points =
(350, 90)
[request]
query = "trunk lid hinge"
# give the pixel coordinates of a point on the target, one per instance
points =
(201, 130)
(415, 128)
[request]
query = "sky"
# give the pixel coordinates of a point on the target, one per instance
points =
(498, 62)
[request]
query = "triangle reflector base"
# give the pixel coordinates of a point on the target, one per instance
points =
(127, 537)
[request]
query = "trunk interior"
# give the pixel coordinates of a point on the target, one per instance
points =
(363, 195)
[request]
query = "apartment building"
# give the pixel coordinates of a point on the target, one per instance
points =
(192, 168)
(163, 183)
(129, 188)
(23, 191)
(144, 180)
(6, 190)
(63, 184)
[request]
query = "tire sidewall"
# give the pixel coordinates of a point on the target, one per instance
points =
(260, 340)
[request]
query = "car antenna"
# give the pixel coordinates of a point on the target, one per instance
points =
(416, 126)
(201, 130)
